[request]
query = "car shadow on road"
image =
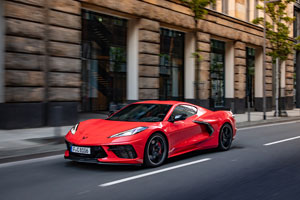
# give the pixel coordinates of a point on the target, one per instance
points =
(190, 155)
(128, 168)
(97, 167)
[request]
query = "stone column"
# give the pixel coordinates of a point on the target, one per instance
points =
(64, 66)
(239, 77)
(2, 36)
(42, 61)
(289, 82)
(149, 48)
(204, 69)
(132, 60)
(298, 79)
(189, 67)
(230, 51)
(269, 81)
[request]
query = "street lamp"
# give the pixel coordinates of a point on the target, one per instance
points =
(264, 60)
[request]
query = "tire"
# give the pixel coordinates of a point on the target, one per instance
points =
(225, 137)
(156, 150)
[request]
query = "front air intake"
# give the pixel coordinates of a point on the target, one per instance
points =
(123, 151)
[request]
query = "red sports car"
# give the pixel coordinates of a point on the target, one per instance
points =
(149, 132)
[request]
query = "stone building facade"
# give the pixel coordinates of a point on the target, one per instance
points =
(297, 53)
(93, 55)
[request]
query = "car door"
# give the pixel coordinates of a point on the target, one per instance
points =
(184, 134)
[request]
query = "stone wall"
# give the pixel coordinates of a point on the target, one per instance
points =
(64, 50)
(149, 49)
(239, 76)
(269, 75)
(42, 61)
(43, 37)
(25, 51)
(289, 74)
(42, 50)
(155, 14)
(289, 82)
(204, 72)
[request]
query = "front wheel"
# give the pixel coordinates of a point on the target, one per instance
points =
(225, 137)
(155, 150)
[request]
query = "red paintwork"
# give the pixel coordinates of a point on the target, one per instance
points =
(182, 136)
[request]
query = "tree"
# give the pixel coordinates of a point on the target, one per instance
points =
(199, 10)
(277, 32)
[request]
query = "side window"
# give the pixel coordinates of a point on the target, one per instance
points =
(184, 109)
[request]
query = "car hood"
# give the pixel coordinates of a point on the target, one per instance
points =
(97, 131)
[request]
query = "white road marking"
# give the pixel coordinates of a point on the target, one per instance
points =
(280, 141)
(83, 192)
(153, 172)
(34, 160)
(267, 125)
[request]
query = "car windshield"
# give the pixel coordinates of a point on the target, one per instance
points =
(142, 113)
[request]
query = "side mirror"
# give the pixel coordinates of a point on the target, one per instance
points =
(177, 118)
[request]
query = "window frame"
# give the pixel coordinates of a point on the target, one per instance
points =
(223, 52)
(197, 110)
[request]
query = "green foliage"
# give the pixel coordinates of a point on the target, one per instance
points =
(197, 55)
(278, 31)
(198, 7)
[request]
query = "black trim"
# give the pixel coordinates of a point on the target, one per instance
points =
(95, 161)
(123, 151)
(208, 126)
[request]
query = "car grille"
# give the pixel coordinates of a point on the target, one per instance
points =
(96, 152)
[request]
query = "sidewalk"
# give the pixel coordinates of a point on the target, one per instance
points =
(22, 144)
(257, 118)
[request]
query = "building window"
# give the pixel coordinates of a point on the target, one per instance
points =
(171, 64)
(104, 60)
(250, 75)
(217, 73)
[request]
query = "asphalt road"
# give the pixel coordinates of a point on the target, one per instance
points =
(251, 170)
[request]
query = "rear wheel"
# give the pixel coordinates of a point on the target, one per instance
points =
(225, 137)
(155, 151)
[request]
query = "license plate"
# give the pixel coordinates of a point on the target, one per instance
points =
(83, 150)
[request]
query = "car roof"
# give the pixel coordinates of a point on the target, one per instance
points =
(162, 102)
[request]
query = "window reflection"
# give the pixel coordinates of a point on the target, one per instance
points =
(171, 64)
(217, 73)
(104, 60)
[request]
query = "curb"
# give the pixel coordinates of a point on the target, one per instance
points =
(30, 156)
(263, 122)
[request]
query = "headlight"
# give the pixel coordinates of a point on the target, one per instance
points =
(129, 132)
(74, 129)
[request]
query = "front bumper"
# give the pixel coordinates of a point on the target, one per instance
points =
(131, 153)
(96, 161)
